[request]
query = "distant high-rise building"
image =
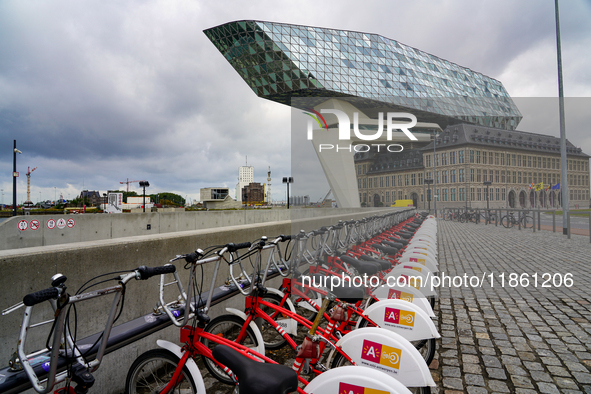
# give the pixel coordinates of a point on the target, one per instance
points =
(245, 177)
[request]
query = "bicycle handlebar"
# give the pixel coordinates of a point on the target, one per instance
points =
(234, 247)
(147, 272)
(40, 296)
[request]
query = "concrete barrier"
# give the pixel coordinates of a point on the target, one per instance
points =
(29, 269)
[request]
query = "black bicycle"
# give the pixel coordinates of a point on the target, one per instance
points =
(511, 220)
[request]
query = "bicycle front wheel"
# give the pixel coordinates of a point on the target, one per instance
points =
(228, 327)
(152, 371)
(506, 221)
(527, 222)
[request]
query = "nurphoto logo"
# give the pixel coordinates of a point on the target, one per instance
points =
(345, 130)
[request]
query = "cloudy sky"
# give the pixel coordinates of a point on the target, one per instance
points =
(97, 92)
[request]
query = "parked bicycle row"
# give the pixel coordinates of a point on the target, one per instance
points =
(504, 217)
(377, 332)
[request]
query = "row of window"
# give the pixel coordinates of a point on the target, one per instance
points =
(502, 158)
(476, 175)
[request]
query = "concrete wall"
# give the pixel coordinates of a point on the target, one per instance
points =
(92, 227)
(29, 269)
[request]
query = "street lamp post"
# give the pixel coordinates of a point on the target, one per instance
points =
(287, 180)
(14, 176)
(487, 183)
(144, 184)
(429, 182)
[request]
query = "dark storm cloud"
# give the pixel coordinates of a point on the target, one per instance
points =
(97, 92)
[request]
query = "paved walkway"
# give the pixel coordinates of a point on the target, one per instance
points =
(524, 339)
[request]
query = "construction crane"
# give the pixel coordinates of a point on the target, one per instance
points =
(321, 202)
(29, 203)
(128, 182)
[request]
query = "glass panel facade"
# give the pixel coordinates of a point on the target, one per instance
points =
(281, 61)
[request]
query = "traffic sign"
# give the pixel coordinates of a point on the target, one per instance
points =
(34, 224)
(23, 225)
(70, 223)
(50, 224)
(61, 223)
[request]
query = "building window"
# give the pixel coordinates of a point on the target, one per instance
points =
(358, 183)
(461, 157)
(444, 159)
(490, 157)
(544, 162)
(498, 193)
(518, 160)
(364, 168)
(365, 183)
(452, 176)
(513, 162)
(497, 158)
(528, 161)
(503, 159)
(462, 194)
(539, 162)
(472, 194)
(452, 194)
(478, 177)
(503, 195)
(427, 160)
(413, 179)
(483, 157)
(462, 175)
(436, 159)
(444, 176)
(502, 176)
(405, 179)
(478, 194)
(471, 156)
(399, 180)
(471, 174)
(444, 194)
(452, 157)
(370, 182)
(496, 176)
(387, 196)
(420, 178)
(400, 194)
(514, 177)
(387, 181)
(484, 175)
(381, 181)
(477, 157)
(519, 177)
(437, 177)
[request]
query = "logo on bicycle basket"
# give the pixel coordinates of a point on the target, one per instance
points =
(398, 316)
(399, 295)
(346, 388)
(381, 354)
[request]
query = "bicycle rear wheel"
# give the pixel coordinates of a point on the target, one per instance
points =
(152, 371)
(506, 221)
(527, 222)
(228, 327)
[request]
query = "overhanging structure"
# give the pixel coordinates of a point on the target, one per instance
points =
(302, 66)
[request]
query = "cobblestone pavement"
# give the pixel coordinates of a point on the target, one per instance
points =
(524, 339)
(508, 340)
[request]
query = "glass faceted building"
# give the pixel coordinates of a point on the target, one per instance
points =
(281, 62)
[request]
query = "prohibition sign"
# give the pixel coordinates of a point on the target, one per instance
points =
(34, 224)
(50, 224)
(61, 223)
(70, 223)
(23, 225)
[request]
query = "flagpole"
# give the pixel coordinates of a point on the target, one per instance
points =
(563, 163)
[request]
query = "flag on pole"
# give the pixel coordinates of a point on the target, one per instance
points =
(556, 187)
(539, 186)
(531, 186)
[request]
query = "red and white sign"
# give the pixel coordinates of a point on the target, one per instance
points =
(23, 225)
(50, 224)
(61, 223)
(34, 224)
(70, 223)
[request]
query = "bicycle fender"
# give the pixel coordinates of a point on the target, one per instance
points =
(257, 333)
(389, 352)
(356, 379)
(405, 293)
(190, 364)
(425, 263)
(415, 265)
(402, 317)
(289, 325)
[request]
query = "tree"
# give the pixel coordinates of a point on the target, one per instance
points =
(167, 198)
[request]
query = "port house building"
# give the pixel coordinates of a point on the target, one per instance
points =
(466, 120)
(462, 158)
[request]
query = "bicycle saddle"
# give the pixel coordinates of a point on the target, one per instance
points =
(257, 377)
(386, 249)
(348, 292)
(399, 240)
(384, 265)
(396, 245)
(363, 267)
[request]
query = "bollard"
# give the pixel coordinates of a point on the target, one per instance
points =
(554, 221)
(519, 219)
(568, 225)
(496, 217)
(539, 221)
(534, 219)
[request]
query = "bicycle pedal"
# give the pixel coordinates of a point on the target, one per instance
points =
(320, 367)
